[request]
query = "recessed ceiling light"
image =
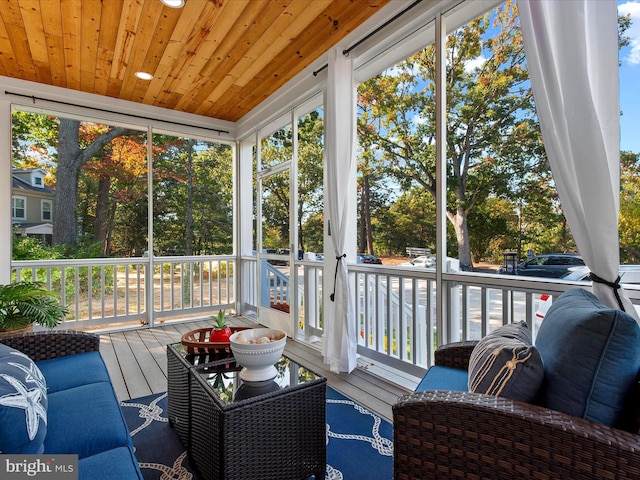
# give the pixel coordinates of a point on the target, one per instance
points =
(144, 75)
(173, 3)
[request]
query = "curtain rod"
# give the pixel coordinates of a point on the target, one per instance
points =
(384, 25)
(34, 98)
(347, 51)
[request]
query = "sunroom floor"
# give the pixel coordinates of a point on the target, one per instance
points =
(137, 363)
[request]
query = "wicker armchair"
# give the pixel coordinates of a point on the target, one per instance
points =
(443, 434)
(54, 343)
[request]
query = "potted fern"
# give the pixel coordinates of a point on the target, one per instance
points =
(24, 303)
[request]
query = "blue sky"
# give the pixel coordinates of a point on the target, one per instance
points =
(630, 81)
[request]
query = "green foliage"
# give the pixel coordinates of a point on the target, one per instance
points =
(85, 248)
(310, 182)
(492, 227)
(23, 303)
(630, 208)
(277, 149)
(193, 202)
(219, 320)
(33, 135)
(26, 248)
(412, 221)
(30, 248)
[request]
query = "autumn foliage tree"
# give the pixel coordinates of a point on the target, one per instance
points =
(100, 176)
(74, 151)
(489, 108)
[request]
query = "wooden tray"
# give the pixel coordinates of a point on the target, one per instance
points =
(196, 341)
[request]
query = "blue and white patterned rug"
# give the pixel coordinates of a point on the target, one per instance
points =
(359, 443)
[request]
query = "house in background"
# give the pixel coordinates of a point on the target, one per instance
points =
(32, 204)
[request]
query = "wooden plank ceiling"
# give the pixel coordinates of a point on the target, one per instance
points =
(217, 58)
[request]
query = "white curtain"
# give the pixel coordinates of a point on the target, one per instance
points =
(572, 54)
(340, 342)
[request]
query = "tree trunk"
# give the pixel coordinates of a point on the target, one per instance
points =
(188, 236)
(106, 249)
(66, 199)
(301, 238)
(366, 205)
(102, 209)
(459, 221)
(362, 234)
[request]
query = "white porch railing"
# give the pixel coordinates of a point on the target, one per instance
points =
(396, 316)
(114, 293)
(396, 310)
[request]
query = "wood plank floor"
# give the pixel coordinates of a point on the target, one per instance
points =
(137, 363)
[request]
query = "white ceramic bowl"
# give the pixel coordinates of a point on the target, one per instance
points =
(257, 359)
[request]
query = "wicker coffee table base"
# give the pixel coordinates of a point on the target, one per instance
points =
(278, 436)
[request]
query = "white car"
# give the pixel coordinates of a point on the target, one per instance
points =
(424, 261)
(628, 274)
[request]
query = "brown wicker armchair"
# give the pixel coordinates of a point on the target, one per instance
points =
(443, 434)
(53, 343)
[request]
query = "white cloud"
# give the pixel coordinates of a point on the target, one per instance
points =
(419, 119)
(477, 62)
(633, 33)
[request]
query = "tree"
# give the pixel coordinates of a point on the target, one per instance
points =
(72, 155)
(630, 207)
(489, 107)
(192, 197)
(310, 182)
(62, 146)
(409, 221)
(373, 197)
(491, 215)
(276, 149)
(114, 180)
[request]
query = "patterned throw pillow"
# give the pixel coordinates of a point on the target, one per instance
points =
(506, 364)
(23, 404)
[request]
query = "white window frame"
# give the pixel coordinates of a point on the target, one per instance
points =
(14, 208)
(36, 183)
(44, 202)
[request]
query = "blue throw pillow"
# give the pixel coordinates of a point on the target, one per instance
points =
(506, 364)
(23, 404)
(591, 355)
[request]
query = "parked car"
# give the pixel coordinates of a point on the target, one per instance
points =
(285, 252)
(424, 261)
(370, 259)
(629, 274)
(550, 265)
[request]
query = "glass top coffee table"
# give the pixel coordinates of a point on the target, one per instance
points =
(232, 429)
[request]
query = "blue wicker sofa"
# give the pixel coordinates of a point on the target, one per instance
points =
(503, 408)
(56, 397)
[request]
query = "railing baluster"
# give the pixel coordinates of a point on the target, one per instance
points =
(90, 292)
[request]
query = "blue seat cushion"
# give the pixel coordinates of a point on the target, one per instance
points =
(23, 404)
(85, 420)
(591, 355)
(72, 371)
(505, 363)
(115, 464)
(443, 378)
